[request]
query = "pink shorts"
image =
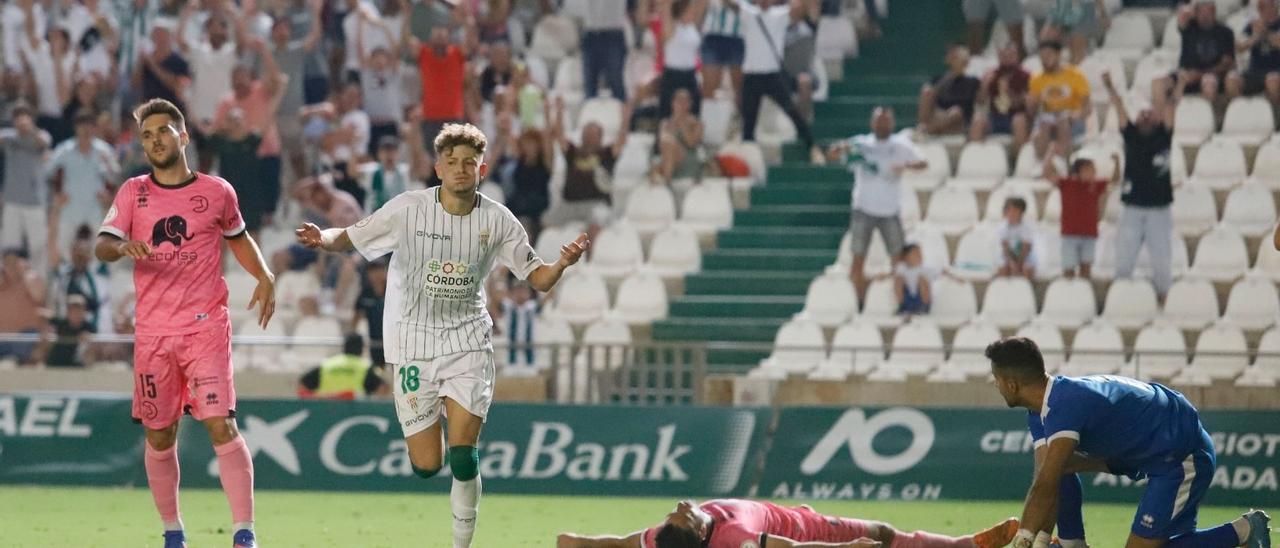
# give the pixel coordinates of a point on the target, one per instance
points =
(177, 373)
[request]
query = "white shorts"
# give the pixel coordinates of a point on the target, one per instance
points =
(420, 386)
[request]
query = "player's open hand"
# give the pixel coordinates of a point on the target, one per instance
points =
(572, 251)
(134, 249)
(264, 294)
(309, 235)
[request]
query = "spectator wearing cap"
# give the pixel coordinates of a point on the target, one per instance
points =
(1262, 40)
(722, 47)
(344, 376)
(86, 167)
(604, 47)
(1208, 54)
(24, 212)
(64, 342)
(764, 29)
(22, 291)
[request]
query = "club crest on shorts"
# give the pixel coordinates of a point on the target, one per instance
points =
(413, 403)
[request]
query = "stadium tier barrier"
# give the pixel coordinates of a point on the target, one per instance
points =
(867, 453)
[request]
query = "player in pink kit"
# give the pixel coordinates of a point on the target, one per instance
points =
(172, 223)
(737, 523)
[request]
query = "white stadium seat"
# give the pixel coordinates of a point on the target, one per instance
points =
(1267, 264)
(642, 298)
(1248, 121)
(1130, 35)
(617, 253)
(1131, 303)
(978, 254)
(994, 211)
(1251, 210)
(909, 208)
(651, 208)
(674, 252)
(797, 348)
(716, 116)
(830, 301)
(1171, 40)
(633, 162)
(953, 302)
(953, 209)
(1069, 302)
(581, 298)
(1221, 255)
(751, 153)
(982, 166)
(876, 263)
(967, 358)
(553, 341)
(1009, 302)
(939, 169)
(1098, 349)
(568, 82)
(917, 349)
(1052, 207)
(933, 245)
(707, 208)
(1160, 352)
(1194, 211)
(836, 38)
(1048, 251)
(1252, 304)
(1266, 164)
(1192, 303)
(1157, 64)
(554, 38)
(1108, 61)
(1221, 354)
(1193, 121)
(1049, 339)
(857, 348)
(1220, 164)
(881, 306)
(1266, 366)
(264, 353)
(552, 238)
(315, 339)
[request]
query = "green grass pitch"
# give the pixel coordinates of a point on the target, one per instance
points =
(90, 517)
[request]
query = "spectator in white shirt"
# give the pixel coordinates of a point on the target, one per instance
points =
(764, 32)
(50, 64)
(14, 27)
(1016, 239)
(212, 58)
(604, 47)
(85, 165)
(381, 81)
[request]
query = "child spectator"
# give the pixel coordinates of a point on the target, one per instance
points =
(1016, 239)
(1081, 192)
(519, 313)
(911, 280)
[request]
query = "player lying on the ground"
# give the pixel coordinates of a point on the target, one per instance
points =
(1122, 426)
(738, 523)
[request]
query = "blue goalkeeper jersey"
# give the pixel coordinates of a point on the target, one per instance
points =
(1132, 425)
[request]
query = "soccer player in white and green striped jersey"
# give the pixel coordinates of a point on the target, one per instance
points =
(445, 241)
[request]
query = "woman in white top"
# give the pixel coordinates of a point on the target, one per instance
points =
(681, 40)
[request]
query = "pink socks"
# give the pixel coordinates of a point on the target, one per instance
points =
(162, 478)
(235, 469)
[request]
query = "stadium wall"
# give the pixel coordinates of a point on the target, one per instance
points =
(868, 453)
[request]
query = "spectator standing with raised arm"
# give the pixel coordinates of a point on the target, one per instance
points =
(680, 42)
(24, 215)
(442, 67)
(588, 180)
(258, 101)
(764, 29)
(50, 65)
(1081, 192)
(1147, 192)
(722, 47)
(292, 57)
(212, 57)
(604, 47)
(160, 73)
(86, 165)
(1262, 41)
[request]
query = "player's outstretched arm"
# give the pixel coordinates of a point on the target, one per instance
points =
(330, 239)
(545, 277)
(570, 540)
(1039, 513)
(250, 258)
(110, 249)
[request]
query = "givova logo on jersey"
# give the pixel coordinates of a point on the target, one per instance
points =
(455, 280)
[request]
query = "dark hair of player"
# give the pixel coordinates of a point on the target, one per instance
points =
(1016, 202)
(1079, 164)
(160, 106)
(353, 344)
(453, 135)
(670, 536)
(1017, 357)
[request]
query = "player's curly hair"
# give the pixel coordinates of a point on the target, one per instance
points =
(159, 106)
(671, 536)
(453, 135)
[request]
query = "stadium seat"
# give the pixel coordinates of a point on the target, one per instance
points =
(967, 358)
(881, 306)
(1267, 263)
(1193, 121)
(554, 38)
(1009, 302)
(836, 38)
(1221, 255)
(1052, 207)
(581, 298)
(1047, 251)
(1221, 354)
(953, 209)
(641, 299)
(1248, 121)
(1192, 303)
(260, 348)
(1131, 303)
(953, 302)
(1266, 366)
(1194, 211)
(917, 350)
(1098, 349)
(1171, 41)
(933, 245)
(994, 211)
(1108, 61)
(240, 287)
(617, 253)
(674, 252)
(1266, 164)
(606, 344)
(553, 341)
(750, 153)
(716, 116)
(909, 208)
(939, 169)
(651, 208)
(857, 348)
(1252, 304)
(982, 166)
(1049, 339)
(1160, 352)
(830, 301)
(315, 339)
(1157, 64)
(1220, 164)
(567, 83)
(798, 348)
(876, 263)
(707, 208)
(1130, 36)
(633, 162)
(1069, 302)
(1251, 210)
(977, 255)
(551, 238)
